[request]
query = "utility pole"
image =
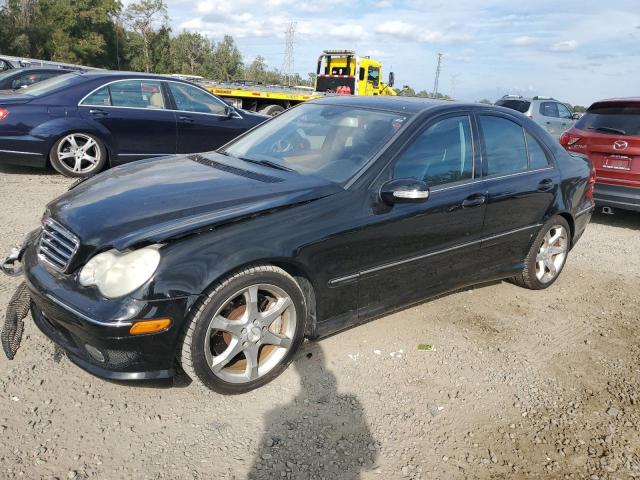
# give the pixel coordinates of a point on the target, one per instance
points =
(435, 83)
(288, 63)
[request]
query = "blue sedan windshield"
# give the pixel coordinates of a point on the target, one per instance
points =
(331, 141)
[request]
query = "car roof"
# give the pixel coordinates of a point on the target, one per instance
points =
(391, 103)
(618, 100)
(123, 75)
(41, 69)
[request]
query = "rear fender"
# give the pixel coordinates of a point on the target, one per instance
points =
(56, 128)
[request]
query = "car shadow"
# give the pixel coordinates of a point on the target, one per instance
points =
(620, 219)
(22, 170)
(320, 433)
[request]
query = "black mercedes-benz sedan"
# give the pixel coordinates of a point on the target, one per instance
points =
(324, 217)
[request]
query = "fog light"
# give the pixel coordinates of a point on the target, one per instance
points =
(95, 353)
(150, 326)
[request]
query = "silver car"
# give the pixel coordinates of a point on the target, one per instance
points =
(555, 116)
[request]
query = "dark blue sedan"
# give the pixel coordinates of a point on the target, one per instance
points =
(83, 122)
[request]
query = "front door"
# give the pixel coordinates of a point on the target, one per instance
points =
(134, 112)
(416, 250)
(203, 124)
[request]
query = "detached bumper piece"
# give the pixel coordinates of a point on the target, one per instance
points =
(17, 310)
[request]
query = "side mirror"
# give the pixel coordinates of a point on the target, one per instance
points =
(405, 190)
(392, 78)
(575, 116)
(229, 111)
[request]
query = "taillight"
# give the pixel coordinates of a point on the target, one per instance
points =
(3, 113)
(591, 183)
(566, 139)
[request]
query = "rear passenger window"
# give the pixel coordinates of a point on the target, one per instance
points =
(505, 147)
(137, 94)
(443, 153)
(549, 109)
(537, 157)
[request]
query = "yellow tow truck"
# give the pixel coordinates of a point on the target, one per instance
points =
(339, 72)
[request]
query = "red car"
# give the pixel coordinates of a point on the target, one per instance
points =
(609, 134)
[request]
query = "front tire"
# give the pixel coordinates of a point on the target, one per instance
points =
(78, 155)
(547, 256)
(245, 332)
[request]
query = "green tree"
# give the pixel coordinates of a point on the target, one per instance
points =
(486, 102)
(226, 60)
(145, 19)
(190, 52)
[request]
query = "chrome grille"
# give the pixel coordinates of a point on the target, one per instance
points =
(57, 245)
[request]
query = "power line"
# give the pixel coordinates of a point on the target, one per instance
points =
(288, 63)
(435, 83)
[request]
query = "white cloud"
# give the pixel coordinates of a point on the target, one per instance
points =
(564, 46)
(408, 31)
(523, 41)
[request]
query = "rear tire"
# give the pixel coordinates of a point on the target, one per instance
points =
(272, 110)
(78, 155)
(547, 256)
(245, 332)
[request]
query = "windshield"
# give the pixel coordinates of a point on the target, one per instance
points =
(616, 118)
(330, 141)
(519, 105)
(51, 84)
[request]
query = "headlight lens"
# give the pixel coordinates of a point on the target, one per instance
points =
(117, 274)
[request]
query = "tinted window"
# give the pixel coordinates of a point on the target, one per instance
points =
(622, 118)
(549, 109)
(443, 153)
(100, 97)
(563, 111)
(137, 94)
(537, 157)
(518, 105)
(331, 141)
(193, 99)
(504, 145)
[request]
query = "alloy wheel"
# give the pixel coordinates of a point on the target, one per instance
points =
(250, 333)
(79, 153)
(552, 253)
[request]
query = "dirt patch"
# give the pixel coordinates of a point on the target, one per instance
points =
(519, 384)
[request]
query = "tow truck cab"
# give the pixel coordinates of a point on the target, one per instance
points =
(344, 72)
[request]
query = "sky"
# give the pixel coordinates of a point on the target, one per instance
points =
(575, 51)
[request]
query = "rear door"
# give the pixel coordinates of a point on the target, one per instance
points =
(134, 112)
(203, 124)
(521, 183)
(550, 118)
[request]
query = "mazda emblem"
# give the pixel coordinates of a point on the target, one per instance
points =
(620, 145)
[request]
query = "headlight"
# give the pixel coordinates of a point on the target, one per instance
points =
(117, 274)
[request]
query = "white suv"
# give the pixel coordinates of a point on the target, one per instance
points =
(556, 117)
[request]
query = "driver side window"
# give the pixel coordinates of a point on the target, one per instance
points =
(442, 153)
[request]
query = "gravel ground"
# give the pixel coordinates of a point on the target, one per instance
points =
(519, 384)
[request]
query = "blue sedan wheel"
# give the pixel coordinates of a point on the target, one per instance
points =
(78, 155)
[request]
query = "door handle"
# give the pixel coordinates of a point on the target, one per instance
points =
(186, 119)
(96, 112)
(545, 185)
(548, 123)
(474, 200)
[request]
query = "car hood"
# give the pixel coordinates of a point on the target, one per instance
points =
(157, 199)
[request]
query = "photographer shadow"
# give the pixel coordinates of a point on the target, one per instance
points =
(320, 434)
